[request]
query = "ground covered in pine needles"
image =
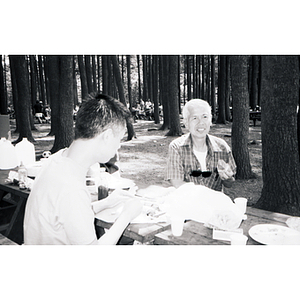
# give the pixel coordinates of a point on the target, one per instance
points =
(144, 159)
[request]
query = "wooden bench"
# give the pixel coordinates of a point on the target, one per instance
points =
(254, 116)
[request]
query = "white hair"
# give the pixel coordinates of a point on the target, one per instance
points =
(194, 103)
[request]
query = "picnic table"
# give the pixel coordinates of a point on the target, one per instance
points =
(194, 233)
(254, 116)
(16, 198)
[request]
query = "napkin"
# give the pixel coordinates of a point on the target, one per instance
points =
(204, 205)
(294, 223)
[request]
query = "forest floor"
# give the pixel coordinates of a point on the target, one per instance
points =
(144, 159)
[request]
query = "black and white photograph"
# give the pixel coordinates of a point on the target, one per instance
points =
(149, 149)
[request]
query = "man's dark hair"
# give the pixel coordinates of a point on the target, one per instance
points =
(98, 113)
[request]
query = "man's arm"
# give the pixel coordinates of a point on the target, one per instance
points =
(132, 209)
(177, 182)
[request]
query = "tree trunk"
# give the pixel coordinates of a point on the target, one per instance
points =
(83, 79)
(33, 80)
(165, 92)
(104, 74)
(221, 90)
(41, 78)
(175, 128)
(281, 166)
(65, 132)
(53, 78)
(139, 77)
(24, 99)
(198, 74)
(240, 124)
(14, 91)
(89, 75)
(213, 87)
(203, 78)
(227, 91)
(145, 83)
(155, 89)
(128, 65)
(75, 92)
(94, 73)
(189, 78)
(119, 83)
(99, 72)
(254, 82)
(3, 98)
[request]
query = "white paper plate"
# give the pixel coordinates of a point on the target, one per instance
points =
(272, 234)
(111, 214)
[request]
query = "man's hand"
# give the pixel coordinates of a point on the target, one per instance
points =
(224, 170)
(132, 208)
(116, 197)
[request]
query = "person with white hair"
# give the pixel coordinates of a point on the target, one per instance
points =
(197, 156)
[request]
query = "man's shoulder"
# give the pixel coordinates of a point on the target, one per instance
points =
(218, 144)
(180, 141)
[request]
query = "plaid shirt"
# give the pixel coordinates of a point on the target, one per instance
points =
(181, 160)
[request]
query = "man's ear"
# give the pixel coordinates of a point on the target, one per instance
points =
(107, 134)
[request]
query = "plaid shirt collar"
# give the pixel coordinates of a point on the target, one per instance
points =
(212, 146)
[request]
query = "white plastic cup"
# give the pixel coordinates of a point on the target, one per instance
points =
(241, 203)
(177, 225)
(238, 239)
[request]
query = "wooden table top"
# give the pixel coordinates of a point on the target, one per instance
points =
(195, 233)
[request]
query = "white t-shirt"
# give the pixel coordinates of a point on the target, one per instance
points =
(201, 156)
(58, 209)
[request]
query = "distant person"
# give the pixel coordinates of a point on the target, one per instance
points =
(38, 111)
(59, 209)
(198, 156)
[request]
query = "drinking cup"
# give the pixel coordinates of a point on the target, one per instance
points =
(241, 203)
(177, 225)
(238, 239)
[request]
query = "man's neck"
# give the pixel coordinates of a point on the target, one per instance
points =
(199, 144)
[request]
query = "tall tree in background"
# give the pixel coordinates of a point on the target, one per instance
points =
(128, 66)
(254, 81)
(52, 66)
(221, 90)
(24, 100)
(65, 133)
(83, 77)
(14, 91)
(164, 84)
(119, 83)
(281, 166)
(99, 72)
(227, 90)
(94, 73)
(139, 78)
(41, 79)
(33, 79)
(89, 75)
(145, 83)
(175, 127)
(104, 59)
(3, 98)
(213, 87)
(155, 88)
(188, 78)
(240, 124)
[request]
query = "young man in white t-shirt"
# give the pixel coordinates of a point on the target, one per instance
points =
(59, 210)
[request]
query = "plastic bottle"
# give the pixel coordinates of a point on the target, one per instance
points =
(8, 155)
(26, 152)
(103, 185)
(22, 173)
